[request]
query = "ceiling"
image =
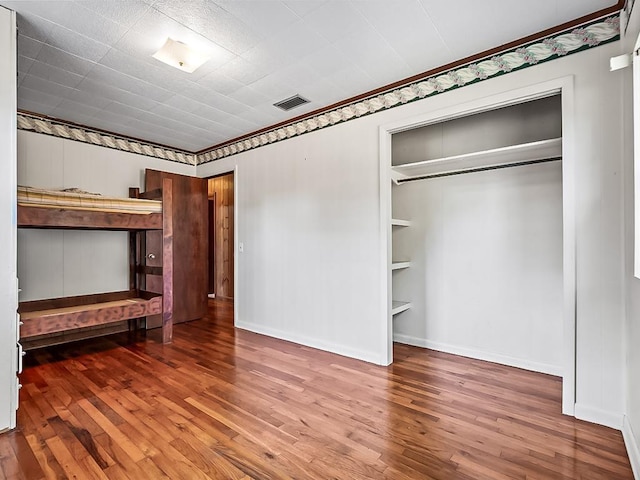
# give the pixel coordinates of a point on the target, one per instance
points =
(90, 62)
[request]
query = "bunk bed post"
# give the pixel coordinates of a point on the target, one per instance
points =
(167, 260)
(133, 323)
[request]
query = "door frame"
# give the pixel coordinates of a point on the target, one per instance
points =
(236, 257)
(563, 86)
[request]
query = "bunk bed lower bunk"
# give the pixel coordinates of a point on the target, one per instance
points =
(141, 213)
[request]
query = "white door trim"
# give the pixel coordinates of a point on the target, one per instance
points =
(564, 86)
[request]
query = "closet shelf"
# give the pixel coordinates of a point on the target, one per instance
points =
(494, 158)
(396, 222)
(398, 306)
(400, 265)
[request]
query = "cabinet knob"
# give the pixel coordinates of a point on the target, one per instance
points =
(151, 256)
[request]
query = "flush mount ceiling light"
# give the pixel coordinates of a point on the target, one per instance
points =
(180, 56)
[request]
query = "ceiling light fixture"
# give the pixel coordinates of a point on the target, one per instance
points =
(180, 56)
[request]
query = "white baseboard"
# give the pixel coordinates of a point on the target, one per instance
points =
(601, 417)
(479, 355)
(631, 443)
(338, 349)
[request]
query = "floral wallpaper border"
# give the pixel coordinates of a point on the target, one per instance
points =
(55, 128)
(587, 36)
(598, 32)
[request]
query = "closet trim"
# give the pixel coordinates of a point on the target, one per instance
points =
(563, 86)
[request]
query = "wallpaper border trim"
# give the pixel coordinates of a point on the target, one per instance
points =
(560, 44)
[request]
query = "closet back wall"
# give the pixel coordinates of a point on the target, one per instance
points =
(486, 275)
(56, 263)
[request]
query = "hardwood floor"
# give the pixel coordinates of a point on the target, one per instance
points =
(228, 404)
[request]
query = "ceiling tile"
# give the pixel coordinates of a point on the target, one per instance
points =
(100, 94)
(352, 76)
(408, 29)
(279, 85)
(295, 40)
(154, 73)
(74, 17)
(565, 9)
(243, 71)
(267, 59)
(128, 83)
(210, 112)
(224, 103)
(28, 47)
(321, 88)
(57, 58)
(335, 20)
(31, 97)
(248, 96)
(30, 103)
(75, 113)
(367, 48)
(79, 45)
(123, 12)
(499, 22)
(24, 64)
(55, 74)
(183, 103)
(219, 82)
(304, 7)
(327, 59)
(242, 125)
(87, 98)
(207, 19)
(261, 17)
(46, 86)
(32, 26)
(267, 114)
(290, 81)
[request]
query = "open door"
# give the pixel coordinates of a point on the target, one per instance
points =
(190, 246)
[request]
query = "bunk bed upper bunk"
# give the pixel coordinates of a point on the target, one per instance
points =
(78, 210)
(39, 208)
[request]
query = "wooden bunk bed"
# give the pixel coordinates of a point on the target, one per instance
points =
(141, 213)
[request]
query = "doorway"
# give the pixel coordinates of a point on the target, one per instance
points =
(220, 196)
(562, 87)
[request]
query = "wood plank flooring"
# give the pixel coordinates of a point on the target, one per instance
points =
(228, 404)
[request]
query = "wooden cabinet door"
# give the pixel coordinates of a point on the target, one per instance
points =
(190, 245)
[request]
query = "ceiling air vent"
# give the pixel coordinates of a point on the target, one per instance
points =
(291, 102)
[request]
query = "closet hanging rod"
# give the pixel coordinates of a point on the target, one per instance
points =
(478, 169)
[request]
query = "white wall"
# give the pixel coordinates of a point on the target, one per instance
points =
(8, 288)
(631, 428)
(57, 263)
(486, 274)
(308, 214)
(308, 272)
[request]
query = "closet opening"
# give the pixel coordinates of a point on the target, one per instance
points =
(478, 207)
